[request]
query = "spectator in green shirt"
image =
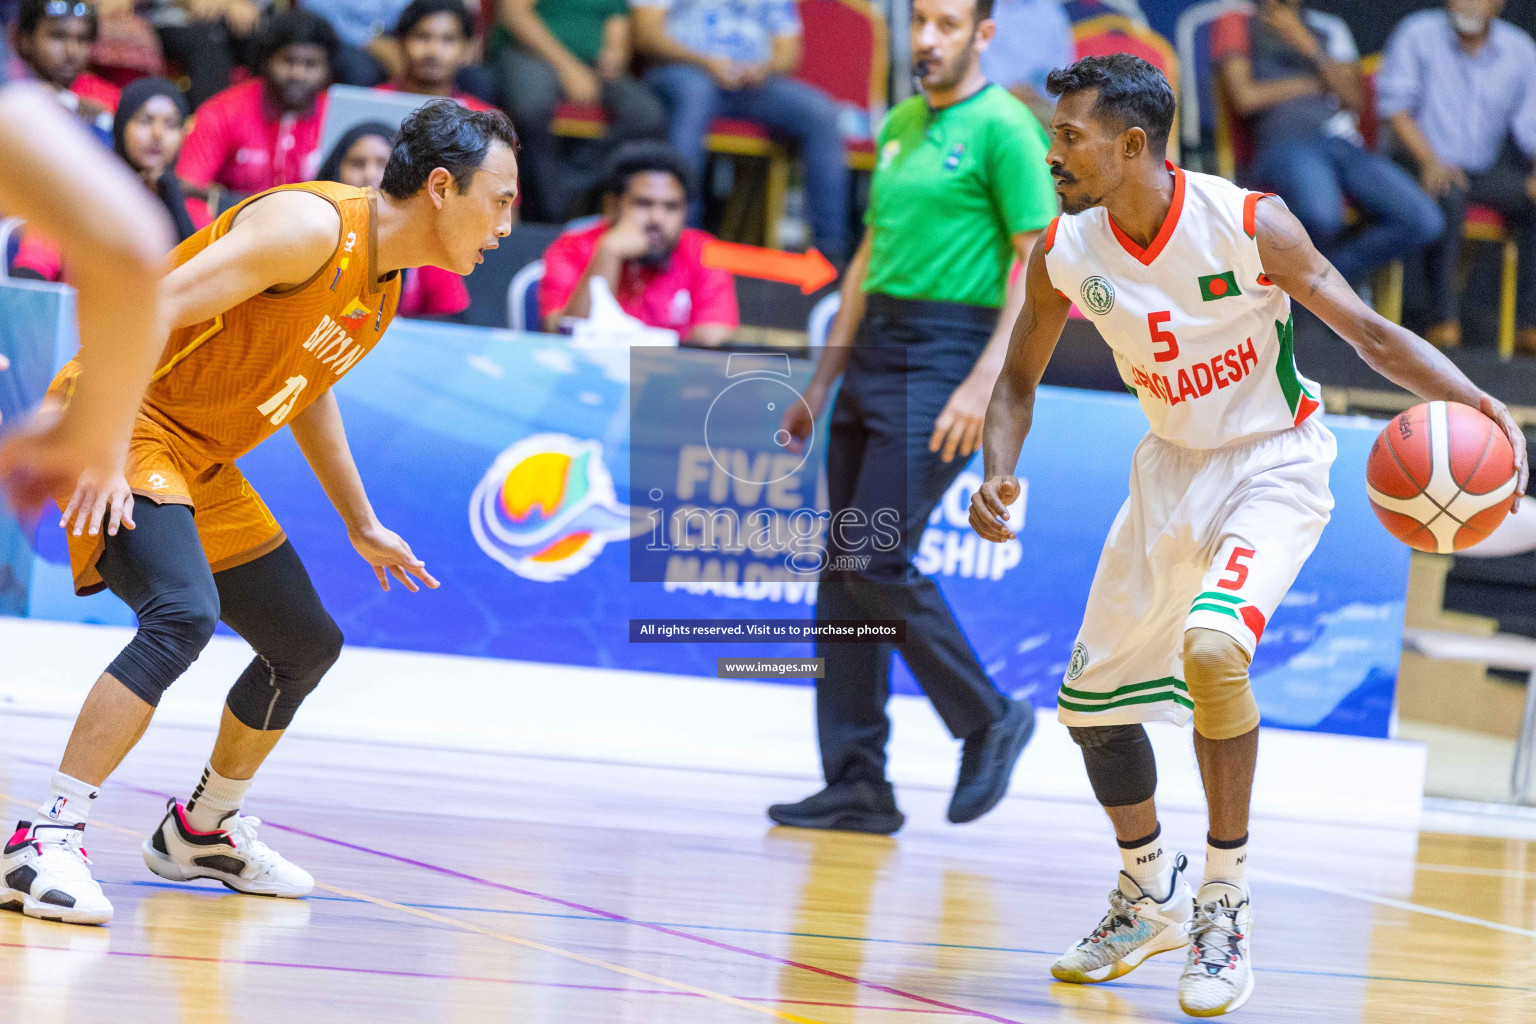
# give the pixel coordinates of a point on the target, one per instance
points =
(960, 190)
(578, 51)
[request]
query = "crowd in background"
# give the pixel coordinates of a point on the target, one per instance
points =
(212, 100)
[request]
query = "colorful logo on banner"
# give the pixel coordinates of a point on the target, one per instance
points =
(547, 507)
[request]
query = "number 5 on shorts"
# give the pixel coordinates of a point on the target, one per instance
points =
(1237, 568)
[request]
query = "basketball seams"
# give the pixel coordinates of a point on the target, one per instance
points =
(1407, 473)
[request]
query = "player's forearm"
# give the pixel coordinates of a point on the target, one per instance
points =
(111, 234)
(323, 440)
(1409, 361)
(1010, 414)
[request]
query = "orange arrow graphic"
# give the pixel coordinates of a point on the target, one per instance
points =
(809, 270)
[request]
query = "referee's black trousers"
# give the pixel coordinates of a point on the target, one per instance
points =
(908, 358)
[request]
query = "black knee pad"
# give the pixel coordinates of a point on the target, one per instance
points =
(1120, 764)
(174, 627)
(276, 682)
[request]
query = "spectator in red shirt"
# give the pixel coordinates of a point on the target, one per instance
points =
(652, 263)
(358, 159)
(265, 132)
(435, 38)
(54, 38)
(147, 135)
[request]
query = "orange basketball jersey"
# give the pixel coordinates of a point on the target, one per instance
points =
(227, 384)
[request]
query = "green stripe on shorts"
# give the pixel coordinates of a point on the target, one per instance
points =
(1128, 689)
(1223, 609)
(1146, 698)
(1211, 595)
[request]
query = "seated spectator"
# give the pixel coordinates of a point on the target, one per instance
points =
(207, 39)
(733, 58)
(435, 38)
(579, 51)
(1296, 81)
(367, 55)
(147, 134)
(1033, 38)
(652, 263)
(358, 159)
(1459, 87)
(53, 39)
(265, 132)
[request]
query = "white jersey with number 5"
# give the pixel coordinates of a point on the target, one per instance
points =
(1200, 334)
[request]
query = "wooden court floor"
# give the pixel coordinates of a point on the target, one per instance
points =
(472, 888)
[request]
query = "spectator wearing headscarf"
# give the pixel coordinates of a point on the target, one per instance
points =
(147, 134)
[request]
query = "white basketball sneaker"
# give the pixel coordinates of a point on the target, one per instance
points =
(232, 855)
(1218, 976)
(44, 873)
(1137, 926)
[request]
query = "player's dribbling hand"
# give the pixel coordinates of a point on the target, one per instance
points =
(390, 555)
(1499, 413)
(99, 496)
(989, 506)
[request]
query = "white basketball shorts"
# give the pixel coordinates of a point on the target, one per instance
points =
(1210, 539)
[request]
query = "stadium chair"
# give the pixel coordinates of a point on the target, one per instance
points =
(845, 55)
(1197, 73)
(1114, 33)
(1485, 225)
(820, 321)
(523, 298)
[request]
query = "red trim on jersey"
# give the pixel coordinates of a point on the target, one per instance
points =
(1306, 407)
(1050, 234)
(1264, 280)
(1250, 211)
(1063, 294)
(1150, 253)
(1253, 619)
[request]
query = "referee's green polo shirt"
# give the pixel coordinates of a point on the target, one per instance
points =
(951, 189)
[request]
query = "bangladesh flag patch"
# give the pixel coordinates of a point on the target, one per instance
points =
(1219, 286)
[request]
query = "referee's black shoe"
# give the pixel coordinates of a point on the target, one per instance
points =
(846, 806)
(987, 760)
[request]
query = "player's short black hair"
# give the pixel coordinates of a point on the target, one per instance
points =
(642, 157)
(443, 134)
(419, 10)
(30, 13)
(298, 27)
(1131, 92)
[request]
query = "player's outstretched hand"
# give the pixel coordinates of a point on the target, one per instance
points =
(989, 507)
(1499, 413)
(390, 556)
(99, 496)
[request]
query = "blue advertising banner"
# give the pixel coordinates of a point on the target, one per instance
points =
(504, 460)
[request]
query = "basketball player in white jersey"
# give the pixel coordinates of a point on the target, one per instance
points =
(1189, 279)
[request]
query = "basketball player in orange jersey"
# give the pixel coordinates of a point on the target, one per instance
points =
(1189, 279)
(55, 177)
(268, 306)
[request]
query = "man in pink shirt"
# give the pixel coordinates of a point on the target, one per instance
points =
(651, 262)
(265, 132)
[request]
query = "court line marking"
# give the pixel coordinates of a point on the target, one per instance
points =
(1023, 951)
(476, 879)
(1466, 869)
(491, 933)
(1388, 901)
(434, 976)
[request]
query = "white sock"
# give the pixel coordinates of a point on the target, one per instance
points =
(69, 801)
(1148, 865)
(214, 799)
(1226, 863)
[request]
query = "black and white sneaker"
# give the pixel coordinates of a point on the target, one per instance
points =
(231, 855)
(44, 873)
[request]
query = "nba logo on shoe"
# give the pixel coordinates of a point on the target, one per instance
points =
(58, 806)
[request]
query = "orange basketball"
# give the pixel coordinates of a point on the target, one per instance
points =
(1441, 476)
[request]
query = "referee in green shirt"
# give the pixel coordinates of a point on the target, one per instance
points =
(961, 189)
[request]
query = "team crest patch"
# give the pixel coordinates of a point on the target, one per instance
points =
(1078, 663)
(1098, 295)
(355, 311)
(956, 154)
